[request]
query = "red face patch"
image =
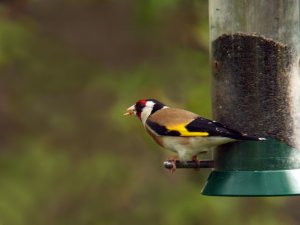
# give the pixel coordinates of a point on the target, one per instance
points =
(142, 102)
(139, 106)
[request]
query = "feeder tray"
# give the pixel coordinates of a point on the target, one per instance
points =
(252, 168)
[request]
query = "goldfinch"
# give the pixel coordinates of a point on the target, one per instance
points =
(181, 131)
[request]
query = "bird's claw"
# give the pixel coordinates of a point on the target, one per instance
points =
(173, 162)
(197, 161)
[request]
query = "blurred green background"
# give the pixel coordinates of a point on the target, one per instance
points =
(69, 69)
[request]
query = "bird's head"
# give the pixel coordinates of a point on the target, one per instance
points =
(144, 108)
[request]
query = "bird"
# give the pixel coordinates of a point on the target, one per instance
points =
(183, 132)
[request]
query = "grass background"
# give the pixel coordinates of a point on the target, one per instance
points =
(68, 71)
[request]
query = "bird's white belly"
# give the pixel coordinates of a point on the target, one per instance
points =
(187, 147)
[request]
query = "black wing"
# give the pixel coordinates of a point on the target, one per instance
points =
(216, 129)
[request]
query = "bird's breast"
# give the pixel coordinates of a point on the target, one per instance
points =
(157, 139)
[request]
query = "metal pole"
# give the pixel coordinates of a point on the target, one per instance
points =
(189, 164)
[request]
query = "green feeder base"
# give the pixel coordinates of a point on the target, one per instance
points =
(267, 168)
(253, 183)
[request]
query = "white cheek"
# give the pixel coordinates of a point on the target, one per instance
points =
(145, 114)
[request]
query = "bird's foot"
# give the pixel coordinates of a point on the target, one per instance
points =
(173, 162)
(197, 161)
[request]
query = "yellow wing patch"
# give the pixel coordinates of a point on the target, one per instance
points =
(184, 132)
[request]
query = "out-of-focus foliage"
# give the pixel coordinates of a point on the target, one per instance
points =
(68, 156)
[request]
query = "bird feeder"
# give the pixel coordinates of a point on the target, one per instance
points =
(256, 86)
(255, 90)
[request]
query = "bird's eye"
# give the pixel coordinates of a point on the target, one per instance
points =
(139, 107)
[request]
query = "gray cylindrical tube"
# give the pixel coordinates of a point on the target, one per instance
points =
(255, 60)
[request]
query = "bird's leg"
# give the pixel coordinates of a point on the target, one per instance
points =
(197, 161)
(173, 162)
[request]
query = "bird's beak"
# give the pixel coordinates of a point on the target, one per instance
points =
(130, 111)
